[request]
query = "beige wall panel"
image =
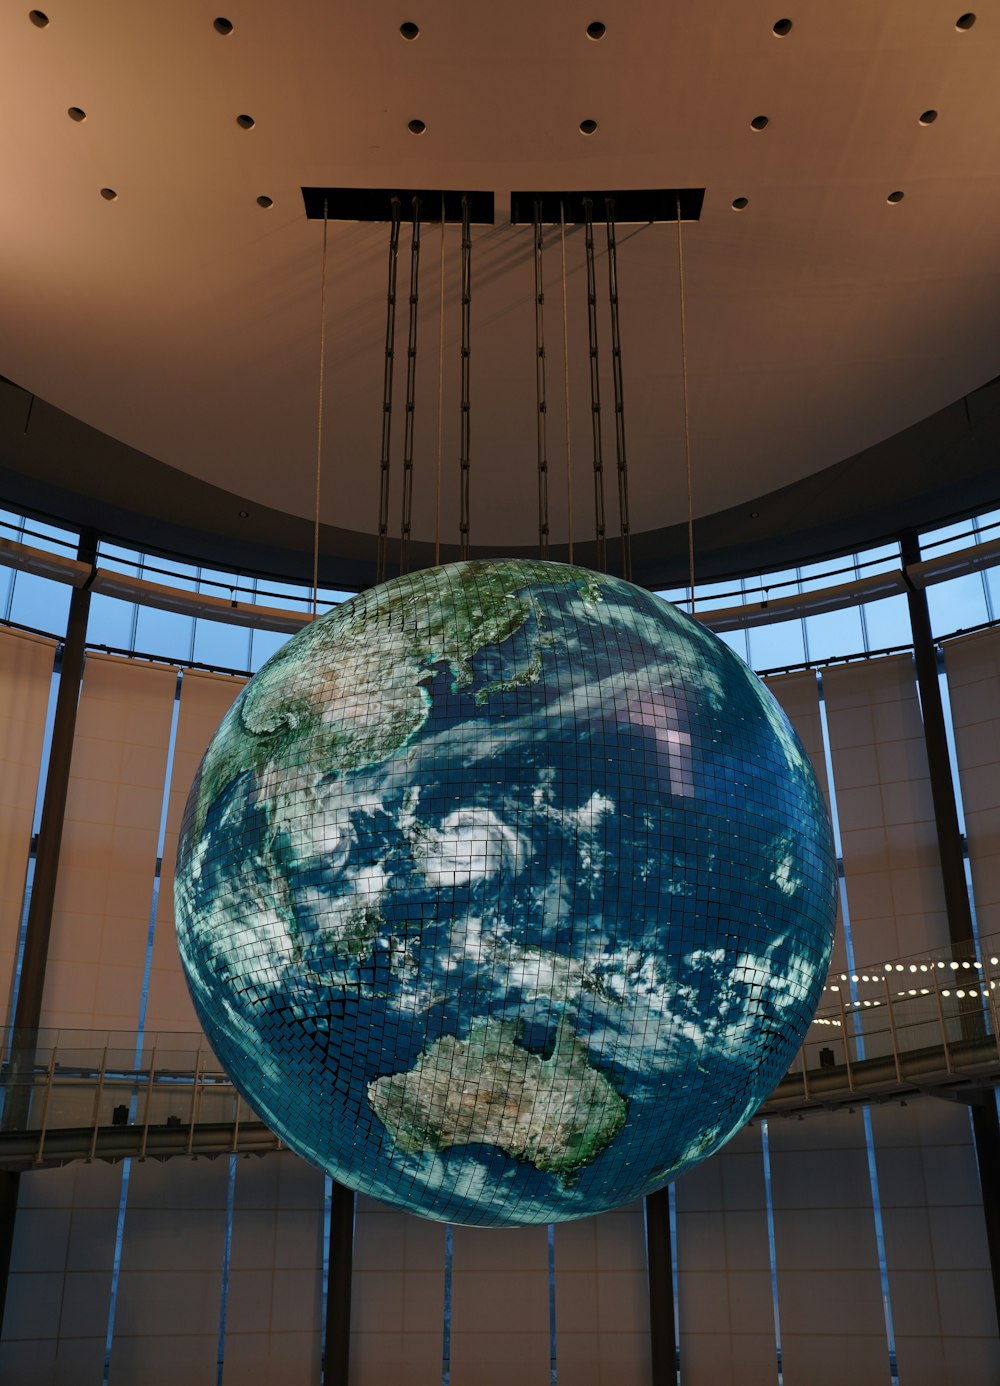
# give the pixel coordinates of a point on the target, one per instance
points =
(935, 1244)
(826, 1254)
(171, 1273)
(725, 1302)
(602, 1299)
(973, 666)
(798, 695)
(274, 1313)
(499, 1305)
(60, 1287)
(891, 864)
(25, 684)
(205, 700)
(397, 1297)
(104, 892)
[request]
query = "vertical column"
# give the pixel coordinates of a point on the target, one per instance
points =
(972, 663)
(36, 943)
(659, 1264)
(340, 1258)
(949, 836)
(986, 1123)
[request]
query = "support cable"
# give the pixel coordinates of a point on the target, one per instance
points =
(616, 368)
(319, 413)
(466, 316)
(566, 414)
(595, 388)
(687, 414)
(543, 461)
(390, 356)
(440, 418)
(411, 390)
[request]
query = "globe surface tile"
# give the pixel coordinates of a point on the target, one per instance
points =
(505, 892)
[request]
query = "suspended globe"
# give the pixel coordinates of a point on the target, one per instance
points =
(505, 892)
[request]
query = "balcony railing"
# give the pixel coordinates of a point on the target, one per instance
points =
(926, 1024)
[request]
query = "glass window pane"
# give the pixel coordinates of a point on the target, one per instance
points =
(110, 622)
(958, 604)
(774, 646)
(781, 583)
(222, 645)
(168, 573)
(265, 644)
(947, 538)
(40, 603)
(165, 634)
(887, 622)
(835, 633)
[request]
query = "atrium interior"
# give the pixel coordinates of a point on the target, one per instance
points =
(298, 301)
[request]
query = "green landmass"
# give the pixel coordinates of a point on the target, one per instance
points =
(348, 690)
(557, 1113)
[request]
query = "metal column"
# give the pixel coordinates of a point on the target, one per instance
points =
(340, 1265)
(39, 927)
(662, 1339)
(951, 851)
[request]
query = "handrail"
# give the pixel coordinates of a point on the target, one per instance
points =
(84, 1095)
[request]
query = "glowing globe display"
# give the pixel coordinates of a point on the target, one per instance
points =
(505, 892)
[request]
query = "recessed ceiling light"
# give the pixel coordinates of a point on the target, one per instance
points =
(965, 21)
(222, 26)
(409, 30)
(265, 201)
(783, 27)
(39, 18)
(739, 203)
(597, 30)
(416, 127)
(587, 127)
(245, 122)
(243, 514)
(109, 194)
(758, 122)
(928, 118)
(895, 197)
(76, 113)
(755, 514)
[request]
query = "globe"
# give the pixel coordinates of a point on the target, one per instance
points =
(505, 892)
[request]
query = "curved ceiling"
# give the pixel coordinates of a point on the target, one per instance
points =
(182, 318)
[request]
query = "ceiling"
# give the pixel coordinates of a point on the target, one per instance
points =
(182, 319)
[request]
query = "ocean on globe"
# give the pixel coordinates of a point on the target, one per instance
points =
(505, 892)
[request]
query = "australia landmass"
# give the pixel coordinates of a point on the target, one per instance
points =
(557, 1113)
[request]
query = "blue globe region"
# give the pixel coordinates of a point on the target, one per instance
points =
(505, 892)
